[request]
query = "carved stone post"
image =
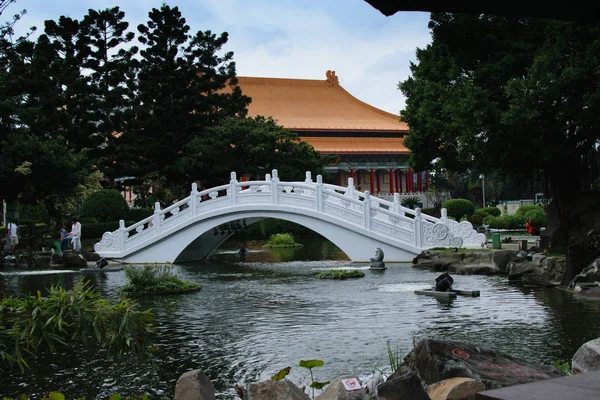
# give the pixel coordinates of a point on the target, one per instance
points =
(156, 218)
(396, 204)
(319, 194)
(418, 229)
(308, 177)
(233, 189)
(121, 235)
(444, 217)
(367, 210)
(194, 199)
(274, 187)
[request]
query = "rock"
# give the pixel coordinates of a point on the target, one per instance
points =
(74, 259)
(90, 256)
(535, 278)
(587, 357)
(455, 389)
(42, 259)
(372, 382)
(591, 273)
(501, 258)
(274, 390)
(473, 269)
(589, 292)
(537, 260)
(194, 385)
(337, 391)
(57, 258)
(517, 268)
(404, 384)
(437, 360)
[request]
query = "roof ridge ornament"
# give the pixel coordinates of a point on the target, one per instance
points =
(332, 79)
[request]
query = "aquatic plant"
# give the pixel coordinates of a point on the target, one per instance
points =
(282, 240)
(155, 278)
(340, 274)
(393, 357)
(310, 364)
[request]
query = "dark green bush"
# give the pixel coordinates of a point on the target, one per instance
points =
(84, 220)
(138, 214)
(458, 208)
(505, 222)
(105, 205)
(533, 212)
(434, 212)
(477, 218)
(95, 231)
(495, 211)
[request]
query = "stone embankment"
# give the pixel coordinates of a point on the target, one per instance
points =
(433, 370)
(49, 259)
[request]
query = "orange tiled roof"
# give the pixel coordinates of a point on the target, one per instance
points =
(307, 104)
(357, 145)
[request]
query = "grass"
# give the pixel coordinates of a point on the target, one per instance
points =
(282, 240)
(340, 274)
(153, 279)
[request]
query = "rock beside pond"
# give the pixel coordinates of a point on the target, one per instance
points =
(194, 385)
(473, 269)
(587, 357)
(436, 360)
(274, 390)
(73, 259)
(90, 256)
(501, 258)
(455, 389)
(337, 391)
(404, 384)
(535, 279)
(57, 258)
(43, 259)
(517, 268)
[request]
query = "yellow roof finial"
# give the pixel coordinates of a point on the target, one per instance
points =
(332, 79)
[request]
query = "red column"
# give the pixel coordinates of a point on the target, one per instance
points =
(377, 177)
(410, 180)
(339, 178)
(420, 181)
(351, 173)
(372, 181)
(426, 181)
(398, 187)
(358, 178)
(392, 179)
(406, 181)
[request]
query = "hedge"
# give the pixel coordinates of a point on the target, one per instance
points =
(505, 222)
(458, 208)
(105, 205)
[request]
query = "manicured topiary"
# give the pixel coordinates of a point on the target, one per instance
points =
(495, 211)
(458, 208)
(533, 212)
(505, 222)
(105, 205)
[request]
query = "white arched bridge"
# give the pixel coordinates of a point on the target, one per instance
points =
(193, 228)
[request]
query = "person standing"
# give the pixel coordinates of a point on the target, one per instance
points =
(75, 234)
(12, 239)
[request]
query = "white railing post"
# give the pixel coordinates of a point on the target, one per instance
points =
(444, 217)
(367, 210)
(156, 218)
(308, 177)
(350, 190)
(233, 189)
(418, 230)
(274, 187)
(121, 235)
(319, 194)
(194, 199)
(396, 204)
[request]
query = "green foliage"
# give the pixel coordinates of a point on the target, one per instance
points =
(282, 240)
(564, 366)
(97, 230)
(281, 374)
(138, 214)
(310, 364)
(459, 208)
(434, 212)
(105, 205)
(533, 212)
(264, 228)
(411, 202)
(340, 274)
(495, 211)
(155, 278)
(505, 222)
(32, 323)
(478, 217)
(393, 357)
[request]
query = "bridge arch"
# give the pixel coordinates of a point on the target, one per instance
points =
(356, 222)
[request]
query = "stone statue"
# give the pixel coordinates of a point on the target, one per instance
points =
(377, 261)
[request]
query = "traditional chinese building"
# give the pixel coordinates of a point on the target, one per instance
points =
(367, 141)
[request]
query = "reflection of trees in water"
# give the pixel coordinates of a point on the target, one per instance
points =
(574, 321)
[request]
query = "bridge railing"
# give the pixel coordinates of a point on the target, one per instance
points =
(345, 204)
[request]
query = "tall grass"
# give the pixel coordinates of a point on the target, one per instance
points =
(154, 278)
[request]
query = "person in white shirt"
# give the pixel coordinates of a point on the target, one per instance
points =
(75, 234)
(12, 239)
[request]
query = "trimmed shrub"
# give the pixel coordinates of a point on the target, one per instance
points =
(495, 211)
(477, 218)
(105, 205)
(434, 212)
(458, 208)
(533, 212)
(138, 214)
(505, 222)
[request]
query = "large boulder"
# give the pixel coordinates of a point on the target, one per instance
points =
(473, 269)
(72, 259)
(437, 360)
(587, 357)
(455, 389)
(535, 279)
(590, 274)
(42, 259)
(501, 258)
(338, 391)
(91, 256)
(274, 390)
(194, 385)
(404, 384)
(518, 268)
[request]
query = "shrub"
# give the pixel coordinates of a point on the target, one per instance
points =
(92, 231)
(138, 214)
(458, 208)
(340, 274)
(105, 205)
(477, 218)
(434, 212)
(495, 211)
(505, 222)
(282, 240)
(155, 278)
(411, 202)
(533, 212)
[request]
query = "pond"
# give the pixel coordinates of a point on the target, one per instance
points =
(261, 313)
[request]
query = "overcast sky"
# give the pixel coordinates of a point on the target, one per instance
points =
(287, 38)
